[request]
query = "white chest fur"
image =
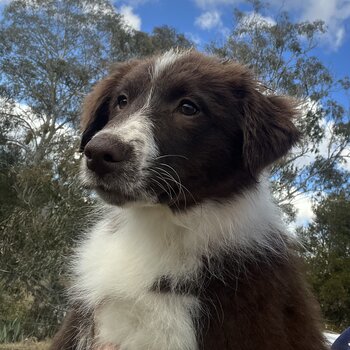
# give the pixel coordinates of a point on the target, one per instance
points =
(115, 270)
(128, 251)
(155, 322)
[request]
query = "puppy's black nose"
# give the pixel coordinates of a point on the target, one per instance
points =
(104, 154)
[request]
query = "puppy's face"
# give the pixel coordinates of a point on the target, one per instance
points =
(179, 129)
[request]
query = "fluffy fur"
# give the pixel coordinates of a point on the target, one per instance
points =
(191, 252)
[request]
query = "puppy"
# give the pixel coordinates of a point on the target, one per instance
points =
(190, 252)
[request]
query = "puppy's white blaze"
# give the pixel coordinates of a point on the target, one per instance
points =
(147, 106)
(166, 60)
(137, 130)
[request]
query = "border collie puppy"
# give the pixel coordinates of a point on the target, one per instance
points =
(190, 252)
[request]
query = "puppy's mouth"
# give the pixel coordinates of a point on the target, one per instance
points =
(115, 196)
(122, 173)
(115, 188)
(139, 185)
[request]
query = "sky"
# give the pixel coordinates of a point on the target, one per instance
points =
(204, 21)
(207, 20)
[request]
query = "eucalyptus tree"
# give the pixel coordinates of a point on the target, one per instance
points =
(51, 52)
(282, 55)
(327, 251)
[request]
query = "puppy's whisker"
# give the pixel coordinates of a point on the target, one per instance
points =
(168, 192)
(179, 181)
(160, 177)
(180, 190)
(171, 155)
(179, 185)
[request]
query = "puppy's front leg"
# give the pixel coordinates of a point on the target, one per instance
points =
(76, 332)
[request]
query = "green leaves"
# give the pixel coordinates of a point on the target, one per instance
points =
(327, 251)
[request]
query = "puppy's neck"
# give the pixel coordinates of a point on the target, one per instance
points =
(249, 220)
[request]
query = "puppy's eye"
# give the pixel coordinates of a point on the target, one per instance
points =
(188, 108)
(122, 101)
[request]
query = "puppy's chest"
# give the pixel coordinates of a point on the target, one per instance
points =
(157, 322)
(116, 274)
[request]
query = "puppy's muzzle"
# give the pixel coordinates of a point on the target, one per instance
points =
(106, 154)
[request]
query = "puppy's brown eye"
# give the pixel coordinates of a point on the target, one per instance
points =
(122, 101)
(188, 108)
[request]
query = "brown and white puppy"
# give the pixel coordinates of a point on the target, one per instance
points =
(191, 253)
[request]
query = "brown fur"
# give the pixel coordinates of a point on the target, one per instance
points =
(250, 300)
(254, 300)
(74, 324)
(260, 304)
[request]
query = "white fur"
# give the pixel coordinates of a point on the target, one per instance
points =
(136, 130)
(166, 60)
(129, 249)
(153, 322)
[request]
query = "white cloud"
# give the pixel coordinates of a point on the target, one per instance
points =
(131, 19)
(214, 3)
(339, 36)
(327, 10)
(302, 201)
(195, 38)
(333, 12)
(29, 128)
(209, 20)
(326, 148)
(303, 206)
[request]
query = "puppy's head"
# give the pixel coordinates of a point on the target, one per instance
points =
(179, 129)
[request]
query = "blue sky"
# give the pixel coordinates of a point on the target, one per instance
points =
(206, 20)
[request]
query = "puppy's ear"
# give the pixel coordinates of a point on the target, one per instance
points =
(268, 130)
(95, 112)
(96, 106)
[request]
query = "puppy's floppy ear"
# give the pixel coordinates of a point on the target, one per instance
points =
(96, 106)
(268, 130)
(95, 112)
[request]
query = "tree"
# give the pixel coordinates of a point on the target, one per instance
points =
(281, 54)
(327, 251)
(51, 52)
(161, 39)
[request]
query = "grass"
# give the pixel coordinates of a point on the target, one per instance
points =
(25, 346)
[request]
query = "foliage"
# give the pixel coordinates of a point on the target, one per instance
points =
(327, 251)
(11, 332)
(160, 40)
(51, 52)
(282, 55)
